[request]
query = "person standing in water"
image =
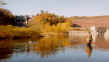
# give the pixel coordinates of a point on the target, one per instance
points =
(93, 34)
(91, 40)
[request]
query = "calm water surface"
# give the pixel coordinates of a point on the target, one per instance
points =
(54, 49)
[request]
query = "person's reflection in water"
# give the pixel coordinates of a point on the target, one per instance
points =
(89, 47)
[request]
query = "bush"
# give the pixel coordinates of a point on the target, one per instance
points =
(47, 22)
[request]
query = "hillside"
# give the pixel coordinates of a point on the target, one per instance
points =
(98, 21)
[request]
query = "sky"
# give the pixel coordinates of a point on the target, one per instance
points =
(60, 7)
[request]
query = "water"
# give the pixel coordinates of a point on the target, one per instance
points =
(54, 49)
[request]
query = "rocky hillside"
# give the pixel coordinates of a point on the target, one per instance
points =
(98, 21)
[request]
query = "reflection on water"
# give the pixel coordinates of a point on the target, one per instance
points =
(89, 48)
(53, 49)
(5, 49)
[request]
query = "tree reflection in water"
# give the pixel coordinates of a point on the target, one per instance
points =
(5, 49)
(46, 47)
(50, 46)
(9, 47)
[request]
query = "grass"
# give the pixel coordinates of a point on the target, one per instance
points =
(17, 32)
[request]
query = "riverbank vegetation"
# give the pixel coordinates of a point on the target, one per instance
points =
(49, 22)
(44, 22)
(17, 32)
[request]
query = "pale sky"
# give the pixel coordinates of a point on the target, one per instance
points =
(60, 7)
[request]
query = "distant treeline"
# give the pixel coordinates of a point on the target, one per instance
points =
(41, 22)
(7, 18)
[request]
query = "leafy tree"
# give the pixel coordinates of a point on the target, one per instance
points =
(6, 17)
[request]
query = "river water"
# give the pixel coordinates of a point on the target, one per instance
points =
(54, 49)
(50, 49)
